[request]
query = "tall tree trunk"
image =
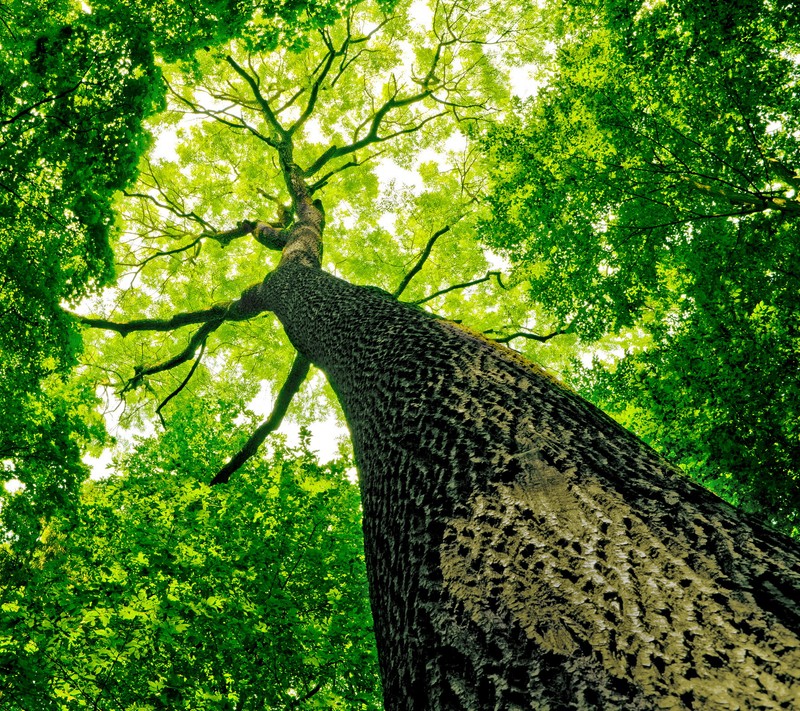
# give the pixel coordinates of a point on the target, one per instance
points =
(525, 551)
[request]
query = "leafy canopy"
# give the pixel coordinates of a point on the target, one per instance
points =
(161, 593)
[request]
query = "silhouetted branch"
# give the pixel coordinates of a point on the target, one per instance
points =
(198, 339)
(463, 285)
(290, 387)
(526, 334)
(158, 324)
(305, 697)
(171, 207)
(259, 97)
(182, 385)
(420, 262)
(165, 253)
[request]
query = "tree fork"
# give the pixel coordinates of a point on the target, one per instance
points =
(523, 549)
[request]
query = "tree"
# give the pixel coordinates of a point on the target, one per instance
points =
(651, 187)
(522, 549)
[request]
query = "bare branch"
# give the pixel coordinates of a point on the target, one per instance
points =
(323, 181)
(262, 102)
(170, 206)
(305, 697)
(182, 385)
(197, 340)
(288, 390)
(41, 102)
(315, 87)
(372, 136)
(463, 285)
(421, 261)
(527, 334)
(165, 253)
(215, 313)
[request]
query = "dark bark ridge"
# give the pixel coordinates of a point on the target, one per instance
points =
(523, 550)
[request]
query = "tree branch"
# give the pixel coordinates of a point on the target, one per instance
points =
(372, 135)
(421, 261)
(182, 385)
(291, 385)
(526, 334)
(215, 313)
(305, 697)
(463, 285)
(262, 102)
(198, 339)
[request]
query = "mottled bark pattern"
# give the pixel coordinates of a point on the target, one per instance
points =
(524, 551)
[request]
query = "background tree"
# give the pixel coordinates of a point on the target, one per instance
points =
(163, 593)
(650, 190)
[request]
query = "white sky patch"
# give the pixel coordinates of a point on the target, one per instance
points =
(388, 172)
(344, 213)
(420, 15)
(100, 466)
(388, 221)
(312, 130)
(12, 486)
(456, 142)
(523, 82)
(497, 262)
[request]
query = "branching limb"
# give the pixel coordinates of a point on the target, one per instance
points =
(289, 389)
(182, 385)
(215, 313)
(421, 261)
(305, 697)
(46, 100)
(262, 102)
(197, 340)
(527, 334)
(323, 181)
(163, 253)
(463, 285)
(170, 206)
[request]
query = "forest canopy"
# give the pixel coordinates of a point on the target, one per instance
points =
(608, 187)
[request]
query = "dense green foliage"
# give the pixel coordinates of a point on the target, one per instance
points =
(161, 593)
(651, 188)
(646, 196)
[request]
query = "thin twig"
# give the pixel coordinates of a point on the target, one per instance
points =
(421, 261)
(463, 285)
(198, 339)
(526, 334)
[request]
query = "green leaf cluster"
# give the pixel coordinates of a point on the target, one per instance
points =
(161, 593)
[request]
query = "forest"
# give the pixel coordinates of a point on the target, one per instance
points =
(403, 354)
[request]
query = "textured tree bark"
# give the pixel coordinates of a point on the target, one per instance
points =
(524, 551)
